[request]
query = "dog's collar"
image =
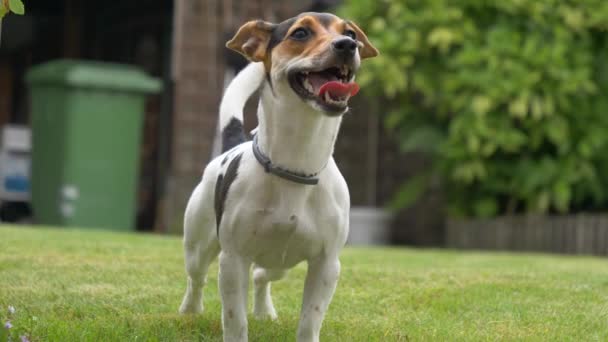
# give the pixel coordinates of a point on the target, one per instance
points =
(269, 167)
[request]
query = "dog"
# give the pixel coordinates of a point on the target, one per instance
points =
(279, 199)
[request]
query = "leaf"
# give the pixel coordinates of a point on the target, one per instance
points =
(537, 108)
(485, 207)
(519, 107)
(441, 37)
(481, 104)
(16, 6)
(540, 203)
(424, 139)
(473, 144)
(573, 17)
(378, 24)
(410, 191)
(557, 131)
(561, 196)
(3, 8)
(393, 119)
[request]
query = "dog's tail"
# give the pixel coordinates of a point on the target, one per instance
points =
(231, 109)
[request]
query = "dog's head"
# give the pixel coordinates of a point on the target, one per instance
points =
(313, 56)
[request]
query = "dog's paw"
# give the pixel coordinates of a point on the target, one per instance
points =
(190, 307)
(265, 313)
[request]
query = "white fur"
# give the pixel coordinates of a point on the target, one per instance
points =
(269, 222)
(239, 91)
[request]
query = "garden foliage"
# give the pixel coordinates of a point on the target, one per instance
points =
(509, 97)
(15, 6)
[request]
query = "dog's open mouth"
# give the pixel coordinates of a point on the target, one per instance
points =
(331, 88)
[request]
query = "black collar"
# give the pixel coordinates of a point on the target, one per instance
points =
(269, 167)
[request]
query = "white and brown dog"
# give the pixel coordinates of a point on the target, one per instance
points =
(279, 199)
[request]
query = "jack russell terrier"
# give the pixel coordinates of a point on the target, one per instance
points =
(279, 199)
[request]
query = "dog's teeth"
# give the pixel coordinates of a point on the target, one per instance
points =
(341, 102)
(308, 86)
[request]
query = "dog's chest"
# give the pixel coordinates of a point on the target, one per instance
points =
(274, 237)
(277, 223)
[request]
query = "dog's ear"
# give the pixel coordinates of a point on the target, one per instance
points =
(252, 39)
(366, 49)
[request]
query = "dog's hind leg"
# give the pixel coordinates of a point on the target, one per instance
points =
(201, 246)
(262, 302)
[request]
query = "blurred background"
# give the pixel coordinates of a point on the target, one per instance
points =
(481, 125)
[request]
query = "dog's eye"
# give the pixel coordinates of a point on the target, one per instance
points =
(350, 33)
(300, 34)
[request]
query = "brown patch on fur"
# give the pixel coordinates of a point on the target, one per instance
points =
(230, 314)
(366, 49)
(251, 40)
(338, 26)
(315, 45)
(322, 37)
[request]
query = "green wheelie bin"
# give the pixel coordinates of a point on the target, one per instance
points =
(86, 120)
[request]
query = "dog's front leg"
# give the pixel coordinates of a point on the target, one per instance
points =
(233, 284)
(321, 279)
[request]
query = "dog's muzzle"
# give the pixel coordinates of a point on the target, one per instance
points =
(329, 87)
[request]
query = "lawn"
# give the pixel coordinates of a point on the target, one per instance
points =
(78, 285)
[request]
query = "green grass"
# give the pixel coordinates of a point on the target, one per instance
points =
(77, 285)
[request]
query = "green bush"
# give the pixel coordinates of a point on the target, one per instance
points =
(509, 97)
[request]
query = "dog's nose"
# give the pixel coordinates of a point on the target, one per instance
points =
(345, 46)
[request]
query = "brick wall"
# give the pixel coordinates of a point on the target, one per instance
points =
(196, 73)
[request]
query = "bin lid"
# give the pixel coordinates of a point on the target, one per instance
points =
(92, 74)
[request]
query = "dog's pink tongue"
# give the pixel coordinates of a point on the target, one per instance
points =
(338, 89)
